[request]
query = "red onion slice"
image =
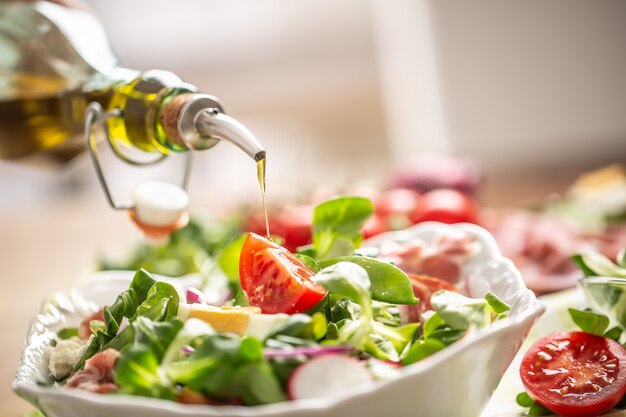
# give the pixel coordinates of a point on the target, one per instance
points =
(272, 353)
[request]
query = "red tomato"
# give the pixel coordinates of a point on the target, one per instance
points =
(275, 280)
(293, 224)
(396, 207)
(575, 374)
(373, 226)
(423, 288)
(446, 206)
(397, 201)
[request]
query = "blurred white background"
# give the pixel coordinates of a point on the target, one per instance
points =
(342, 91)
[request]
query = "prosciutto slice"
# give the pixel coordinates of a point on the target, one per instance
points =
(97, 376)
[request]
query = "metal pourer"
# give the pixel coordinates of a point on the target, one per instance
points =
(198, 122)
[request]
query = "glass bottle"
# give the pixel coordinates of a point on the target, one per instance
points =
(56, 60)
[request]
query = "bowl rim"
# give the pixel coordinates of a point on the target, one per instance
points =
(601, 279)
(514, 323)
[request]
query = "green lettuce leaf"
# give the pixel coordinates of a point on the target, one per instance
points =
(225, 366)
(596, 264)
(389, 284)
(337, 225)
(460, 311)
(137, 373)
(146, 297)
(588, 321)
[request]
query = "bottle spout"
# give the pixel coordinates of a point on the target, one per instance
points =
(198, 121)
(215, 124)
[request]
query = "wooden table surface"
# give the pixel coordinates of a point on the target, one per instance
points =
(49, 247)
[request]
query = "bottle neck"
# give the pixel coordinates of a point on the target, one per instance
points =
(138, 103)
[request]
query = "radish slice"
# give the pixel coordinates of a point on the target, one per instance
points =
(326, 375)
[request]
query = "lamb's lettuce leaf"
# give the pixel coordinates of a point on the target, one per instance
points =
(388, 283)
(337, 225)
(422, 349)
(460, 311)
(348, 280)
(302, 326)
(352, 316)
(226, 366)
(588, 321)
(146, 297)
(596, 264)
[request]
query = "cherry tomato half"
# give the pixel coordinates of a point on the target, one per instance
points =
(575, 374)
(446, 206)
(275, 280)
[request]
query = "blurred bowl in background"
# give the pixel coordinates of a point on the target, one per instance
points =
(606, 295)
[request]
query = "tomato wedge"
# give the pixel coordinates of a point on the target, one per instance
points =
(275, 280)
(575, 374)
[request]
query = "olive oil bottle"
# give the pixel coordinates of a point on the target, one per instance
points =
(55, 61)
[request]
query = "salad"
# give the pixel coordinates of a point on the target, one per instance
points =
(290, 326)
(581, 373)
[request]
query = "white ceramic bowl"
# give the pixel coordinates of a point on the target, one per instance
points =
(457, 381)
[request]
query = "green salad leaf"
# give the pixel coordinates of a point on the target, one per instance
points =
(497, 305)
(160, 294)
(226, 366)
(156, 334)
(337, 225)
(614, 333)
(351, 314)
(534, 409)
(588, 321)
(137, 373)
(228, 259)
(302, 326)
(431, 325)
(67, 333)
(596, 264)
(460, 311)
(186, 252)
(421, 349)
(389, 283)
(350, 281)
(308, 261)
(399, 336)
(144, 297)
(191, 334)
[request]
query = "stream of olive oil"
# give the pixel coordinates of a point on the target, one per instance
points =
(260, 172)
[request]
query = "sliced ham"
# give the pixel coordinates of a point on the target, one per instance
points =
(443, 259)
(541, 245)
(423, 288)
(97, 375)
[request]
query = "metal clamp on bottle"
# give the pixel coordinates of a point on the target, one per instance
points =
(95, 115)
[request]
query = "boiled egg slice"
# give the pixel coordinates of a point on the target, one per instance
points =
(238, 320)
